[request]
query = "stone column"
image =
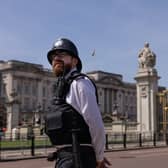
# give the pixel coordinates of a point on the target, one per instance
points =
(147, 87)
(40, 91)
(108, 100)
(9, 86)
(103, 100)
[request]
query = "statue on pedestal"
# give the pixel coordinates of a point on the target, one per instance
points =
(147, 88)
(146, 58)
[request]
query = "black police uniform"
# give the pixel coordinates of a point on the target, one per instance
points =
(62, 122)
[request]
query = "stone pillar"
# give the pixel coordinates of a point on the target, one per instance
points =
(9, 86)
(105, 101)
(15, 114)
(108, 100)
(147, 87)
(13, 111)
(40, 91)
(9, 119)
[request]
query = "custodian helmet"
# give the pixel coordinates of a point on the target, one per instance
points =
(68, 46)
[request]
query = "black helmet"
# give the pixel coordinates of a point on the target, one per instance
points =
(68, 46)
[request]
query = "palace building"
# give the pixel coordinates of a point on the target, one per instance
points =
(27, 89)
(26, 92)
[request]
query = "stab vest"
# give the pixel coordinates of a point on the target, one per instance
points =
(61, 118)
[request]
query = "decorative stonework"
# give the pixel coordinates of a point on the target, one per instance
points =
(146, 58)
(144, 91)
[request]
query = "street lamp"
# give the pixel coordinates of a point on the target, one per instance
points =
(124, 119)
(35, 121)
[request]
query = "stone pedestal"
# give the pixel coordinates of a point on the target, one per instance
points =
(147, 88)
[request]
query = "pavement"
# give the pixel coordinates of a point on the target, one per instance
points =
(151, 157)
(24, 154)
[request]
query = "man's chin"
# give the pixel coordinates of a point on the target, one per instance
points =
(58, 72)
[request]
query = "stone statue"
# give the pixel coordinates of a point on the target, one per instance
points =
(146, 58)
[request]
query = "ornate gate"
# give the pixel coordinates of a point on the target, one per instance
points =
(162, 111)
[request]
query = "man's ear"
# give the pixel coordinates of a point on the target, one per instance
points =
(74, 61)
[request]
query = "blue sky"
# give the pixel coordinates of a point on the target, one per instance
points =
(116, 29)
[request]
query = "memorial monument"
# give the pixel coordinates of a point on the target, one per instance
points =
(147, 88)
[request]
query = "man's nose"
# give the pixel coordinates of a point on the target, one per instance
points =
(57, 58)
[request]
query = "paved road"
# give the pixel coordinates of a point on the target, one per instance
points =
(148, 158)
(33, 163)
(144, 158)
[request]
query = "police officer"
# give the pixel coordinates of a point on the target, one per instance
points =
(81, 95)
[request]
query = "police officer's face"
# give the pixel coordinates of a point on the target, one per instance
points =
(62, 62)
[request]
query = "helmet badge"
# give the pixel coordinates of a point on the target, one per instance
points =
(58, 43)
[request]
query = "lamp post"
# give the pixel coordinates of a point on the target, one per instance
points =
(34, 122)
(32, 134)
(124, 119)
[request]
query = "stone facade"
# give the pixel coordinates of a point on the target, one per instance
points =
(27, 88)
(116, 97)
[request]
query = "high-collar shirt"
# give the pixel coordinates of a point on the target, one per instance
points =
(83, 98)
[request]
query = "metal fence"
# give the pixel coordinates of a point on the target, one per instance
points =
(24, 145)
(135, 140)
